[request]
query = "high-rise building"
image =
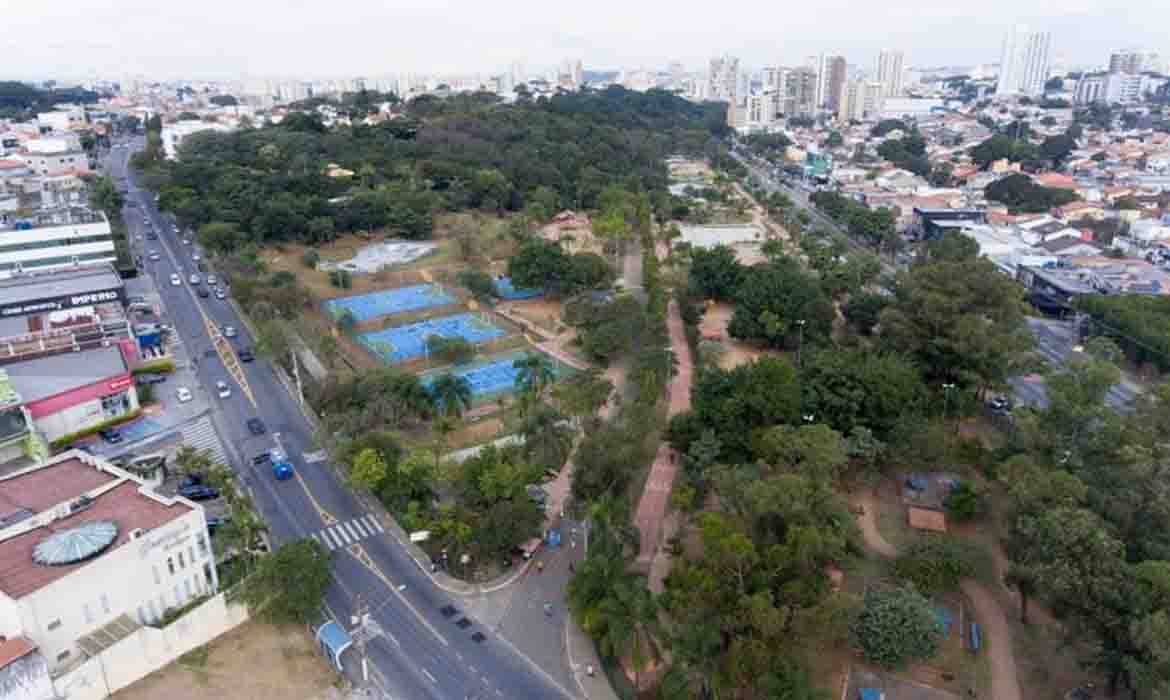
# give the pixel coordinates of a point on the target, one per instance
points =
(888, 72)
(1023, 65)
(832, 72)
(1134, 61)
(861, 99)
(723, 79)
(800, 89)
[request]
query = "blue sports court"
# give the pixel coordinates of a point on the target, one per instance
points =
(389, 302)
(404, 342)
(496, 376)
(505, 290)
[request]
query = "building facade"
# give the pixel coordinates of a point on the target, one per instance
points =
(1023, 65)
(54, 240)
(723, 79)
(1134, 61)
(888, 71)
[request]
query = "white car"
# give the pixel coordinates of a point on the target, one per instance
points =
(183, 394)
(195, 257)
(212, 280)
(220, 294)
(175, 281)
(222, 388)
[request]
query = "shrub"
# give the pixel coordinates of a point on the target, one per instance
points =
(310, 259)
(935, 564)
(965, 502)
(895, 627)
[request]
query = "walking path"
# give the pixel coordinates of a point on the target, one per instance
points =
(1004, 681)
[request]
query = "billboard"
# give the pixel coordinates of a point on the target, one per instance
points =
(60, 303)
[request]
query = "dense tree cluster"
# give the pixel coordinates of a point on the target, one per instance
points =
(874, 226)
(439, 155)
(20, 101)
(1020, 193)
(908, 153)
(1138, 323)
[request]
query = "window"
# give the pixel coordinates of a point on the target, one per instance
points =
(142, 618)
(171, 566)
(87, 613)
(54, 624)
(157, 580)
(178, 594)
(63, 655)
(105, 604)
(202, 543)
(182, 564)
(207, 575)
(187, 587)
(191, 555)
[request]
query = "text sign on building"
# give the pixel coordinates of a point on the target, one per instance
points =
(60, 303)
(120, 383)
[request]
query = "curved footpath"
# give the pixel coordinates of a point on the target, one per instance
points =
(1004, 682)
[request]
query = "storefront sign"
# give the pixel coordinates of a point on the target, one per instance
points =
(61, 303)
(120, 383)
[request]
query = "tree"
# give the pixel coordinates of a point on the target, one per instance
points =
(535, 374)
(452, 393)
(935, 564)
(780, 305)
(850, 388)
(478, 282)
(454, 350)
(863, 311)
(715, 272)
(735, 402)
(541, 264)
(582, 394)
(219, 236)
(1019, 192)
(1058, 148)
(965, 502)
(288, 586)
(369, 469)
(961, 322)
(1000, 147)
(466, 233)
(896, 627)
(951, 246)
(817, 452)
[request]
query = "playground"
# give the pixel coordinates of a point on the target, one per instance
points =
(492, 376)
(365, 307)
(402, 343)
(510, 293)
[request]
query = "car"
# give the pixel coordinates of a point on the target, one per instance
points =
(193, 279)
(111, 436)
(222, 389)
(229, 331)
(195, 257)
(151, 236)
(154, 256)
(214, 523)
(183, 394)
(202, 293)
(186, 241)
(212, 280)
(246, 355)
(220, 294)
(192, 479)
(150, 378)
(262, 459)
(198, 492)
(256, 426)
(175, 281)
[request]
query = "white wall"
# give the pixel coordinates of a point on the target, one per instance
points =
(148, 650)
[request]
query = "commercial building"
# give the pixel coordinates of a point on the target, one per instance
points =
(87, 549)
(1134, 61)
(174, 134)
(888, 71)
(723, 79)
(1023, 65)
(54, 239)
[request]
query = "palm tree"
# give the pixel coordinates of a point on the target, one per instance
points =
(453, 394)
(536, 374)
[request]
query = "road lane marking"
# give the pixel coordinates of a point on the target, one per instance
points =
(377, 525)
(348, 527)
(338, 532)
(429, 676)
(357, 525)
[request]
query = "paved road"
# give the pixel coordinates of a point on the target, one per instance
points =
(1056, 342)
(422, 654)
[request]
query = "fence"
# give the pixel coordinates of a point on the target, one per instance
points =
(148, 649)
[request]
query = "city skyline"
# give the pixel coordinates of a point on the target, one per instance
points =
(218, 40)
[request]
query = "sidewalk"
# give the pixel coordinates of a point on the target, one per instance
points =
(582, 654)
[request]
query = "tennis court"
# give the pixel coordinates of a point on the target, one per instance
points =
(389, 302)
(404, 342)
(505, 290)
(494, 376)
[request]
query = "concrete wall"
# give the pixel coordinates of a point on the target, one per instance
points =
(148, 650)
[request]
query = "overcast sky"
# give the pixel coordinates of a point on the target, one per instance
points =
(344, 38)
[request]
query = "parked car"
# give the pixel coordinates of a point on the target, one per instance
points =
(186, 241)
(220, 294)
(154, 256)
(193, 279)
(175, 281)
(183, 394)
(246, 355)
(214, 523)
(111, 436)
(198, 492)
(150, 378)
(212, 280)
(256, 426)
(196, 257)
(229, 331)
(222, 389)
(202, 293)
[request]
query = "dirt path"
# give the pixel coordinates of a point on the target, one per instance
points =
(996, 630)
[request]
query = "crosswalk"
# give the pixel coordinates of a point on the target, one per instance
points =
(346, 533)
(201, 435)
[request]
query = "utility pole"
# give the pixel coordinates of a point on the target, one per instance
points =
(360, 617)
(297, 376)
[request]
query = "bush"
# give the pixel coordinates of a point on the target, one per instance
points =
(936, 563)
(341, 279)
(65, 440)
(450, 350)
(346, 321)
(965, 503)
(310, 259)
(146, 394)
(895, 627)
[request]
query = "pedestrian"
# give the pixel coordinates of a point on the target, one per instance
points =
(571, 569)
(539, 567)
(548, 609)
(589, 670)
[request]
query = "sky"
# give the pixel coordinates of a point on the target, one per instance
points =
(211, 39)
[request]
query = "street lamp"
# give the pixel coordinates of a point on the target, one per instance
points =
(799, 339)
(947, 389)
(808, 418)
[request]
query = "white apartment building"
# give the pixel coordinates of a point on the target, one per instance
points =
(54, 240)
(862, 100)
(173, 134)
(1023, 65)
(723, 79)
(55, 156)
(1112, 88)
(888, 71)
(84, 544)
(61, 121)
(1134, 61)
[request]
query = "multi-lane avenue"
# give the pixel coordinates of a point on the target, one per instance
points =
(421, 653)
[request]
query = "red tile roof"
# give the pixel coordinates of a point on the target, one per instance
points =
(13, 649)
(20, 575)
(42, 488)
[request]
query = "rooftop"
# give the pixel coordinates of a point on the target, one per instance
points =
(48, 376)
(49, 218)
(13, 649)
(59, 283)
(128, 504)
